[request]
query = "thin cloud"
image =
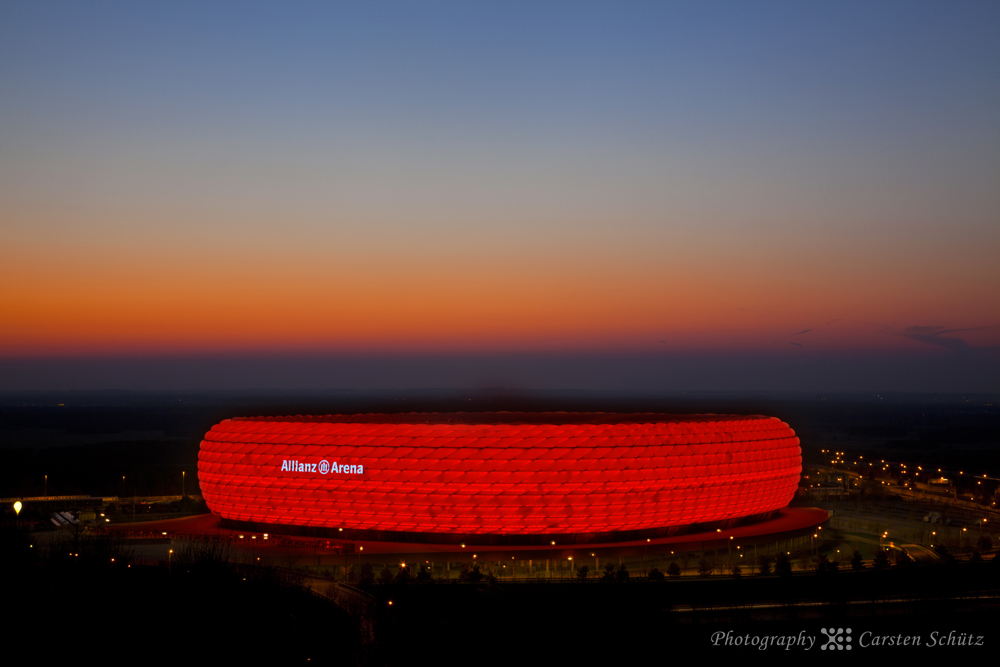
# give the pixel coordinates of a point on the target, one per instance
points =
(938, 336)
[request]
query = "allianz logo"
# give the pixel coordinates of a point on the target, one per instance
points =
(324, 467)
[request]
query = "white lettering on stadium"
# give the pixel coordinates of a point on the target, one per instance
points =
(323, 467)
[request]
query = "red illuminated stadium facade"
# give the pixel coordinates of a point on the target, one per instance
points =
(499, 477)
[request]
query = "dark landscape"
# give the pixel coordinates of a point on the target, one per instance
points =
(85, 443)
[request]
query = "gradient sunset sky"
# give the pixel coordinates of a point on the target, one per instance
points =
(472, 191)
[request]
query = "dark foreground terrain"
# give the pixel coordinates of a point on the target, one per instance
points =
(84, 597)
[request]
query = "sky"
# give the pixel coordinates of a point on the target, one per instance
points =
(388, 195)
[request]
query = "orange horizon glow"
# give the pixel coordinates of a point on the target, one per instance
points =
(180, 303)
(494, 180)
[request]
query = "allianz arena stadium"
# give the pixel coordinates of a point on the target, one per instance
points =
(482, 477)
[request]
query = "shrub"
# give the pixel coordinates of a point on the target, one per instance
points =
(472, 575)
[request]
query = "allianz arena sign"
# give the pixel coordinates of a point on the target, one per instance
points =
(323, 467)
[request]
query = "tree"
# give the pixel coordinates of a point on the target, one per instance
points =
(857, 562)
(782, 566)
(622, 573)
(424, 575)
(881, 560)
(736, 571)
(403, 576)
(985, 543)
(656, 575)
(674, 569)
(385, 576)
(582, 572)
(609, 572)
(367, 576)
(764, 565)
(822, 565)
(705, 567)
(473, 575)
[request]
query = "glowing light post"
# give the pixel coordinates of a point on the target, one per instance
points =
(17, 509)
(46, 491)
(183, 481)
